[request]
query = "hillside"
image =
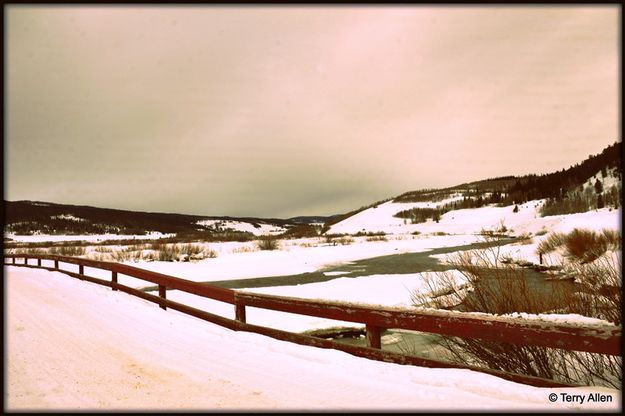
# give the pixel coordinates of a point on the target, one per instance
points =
(34, 217)
(519, 189)
(594, 183)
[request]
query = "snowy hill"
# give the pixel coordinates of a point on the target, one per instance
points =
(511, 205)
(474, 220)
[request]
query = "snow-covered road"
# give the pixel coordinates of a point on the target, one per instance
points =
(76, 345)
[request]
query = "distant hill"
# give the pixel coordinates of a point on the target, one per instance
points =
(562, 189)
(314, 219)
(29, 217)
(519, 189)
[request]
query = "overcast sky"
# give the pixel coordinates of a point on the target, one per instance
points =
(285, 111)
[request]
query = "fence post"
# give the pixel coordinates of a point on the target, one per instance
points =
(114, 280)
(13, 260)
(162, 290)
(81, 269)
(38, 262)
(373, 336)
(239, 312)
(56, 264)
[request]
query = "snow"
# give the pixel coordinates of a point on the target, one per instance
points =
(384, 289)
(381, 219)
(67, 217)
(294, 257)
(609, 181)
(475, 220)
(527, 221)
(145, 366)
(88, 237)
(114, 351)
(262, 229)
(570, 318)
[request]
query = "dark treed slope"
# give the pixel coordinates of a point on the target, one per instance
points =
(509, 190)
(26, 217)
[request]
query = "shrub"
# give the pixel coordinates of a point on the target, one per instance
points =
(551, 243)
(495, 286)
(166, 252)
(419, 215)
(344, 241)
(302, 231)
(71, 251)
(332, 238)
(191, 249)
(369, 234)
(581, 245)
(268, 243)
(244, 249)
(377, 238)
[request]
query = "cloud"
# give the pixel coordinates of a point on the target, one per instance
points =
(298, 110)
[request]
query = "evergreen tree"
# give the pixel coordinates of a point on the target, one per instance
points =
(598, 186)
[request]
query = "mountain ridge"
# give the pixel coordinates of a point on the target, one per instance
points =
(28, 217)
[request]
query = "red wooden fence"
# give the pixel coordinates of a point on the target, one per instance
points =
(603, 339)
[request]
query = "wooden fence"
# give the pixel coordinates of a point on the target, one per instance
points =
(600, 339)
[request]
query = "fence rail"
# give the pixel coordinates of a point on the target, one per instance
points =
(595, 339)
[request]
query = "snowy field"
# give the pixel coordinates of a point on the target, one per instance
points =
(295, 256)
(72, 345)
(37, 238)
(241, 260)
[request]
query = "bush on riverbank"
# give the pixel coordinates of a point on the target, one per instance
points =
(498, 287)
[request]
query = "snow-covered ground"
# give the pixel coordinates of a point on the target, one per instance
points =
(245, 260)
(147, 367)
(262, 229)
(38, 238)
(380, 218)
(73, 345)
(475, 220)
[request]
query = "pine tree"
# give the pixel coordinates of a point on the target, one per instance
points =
(598, 186)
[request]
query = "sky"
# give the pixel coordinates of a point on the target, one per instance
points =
(281, 111)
